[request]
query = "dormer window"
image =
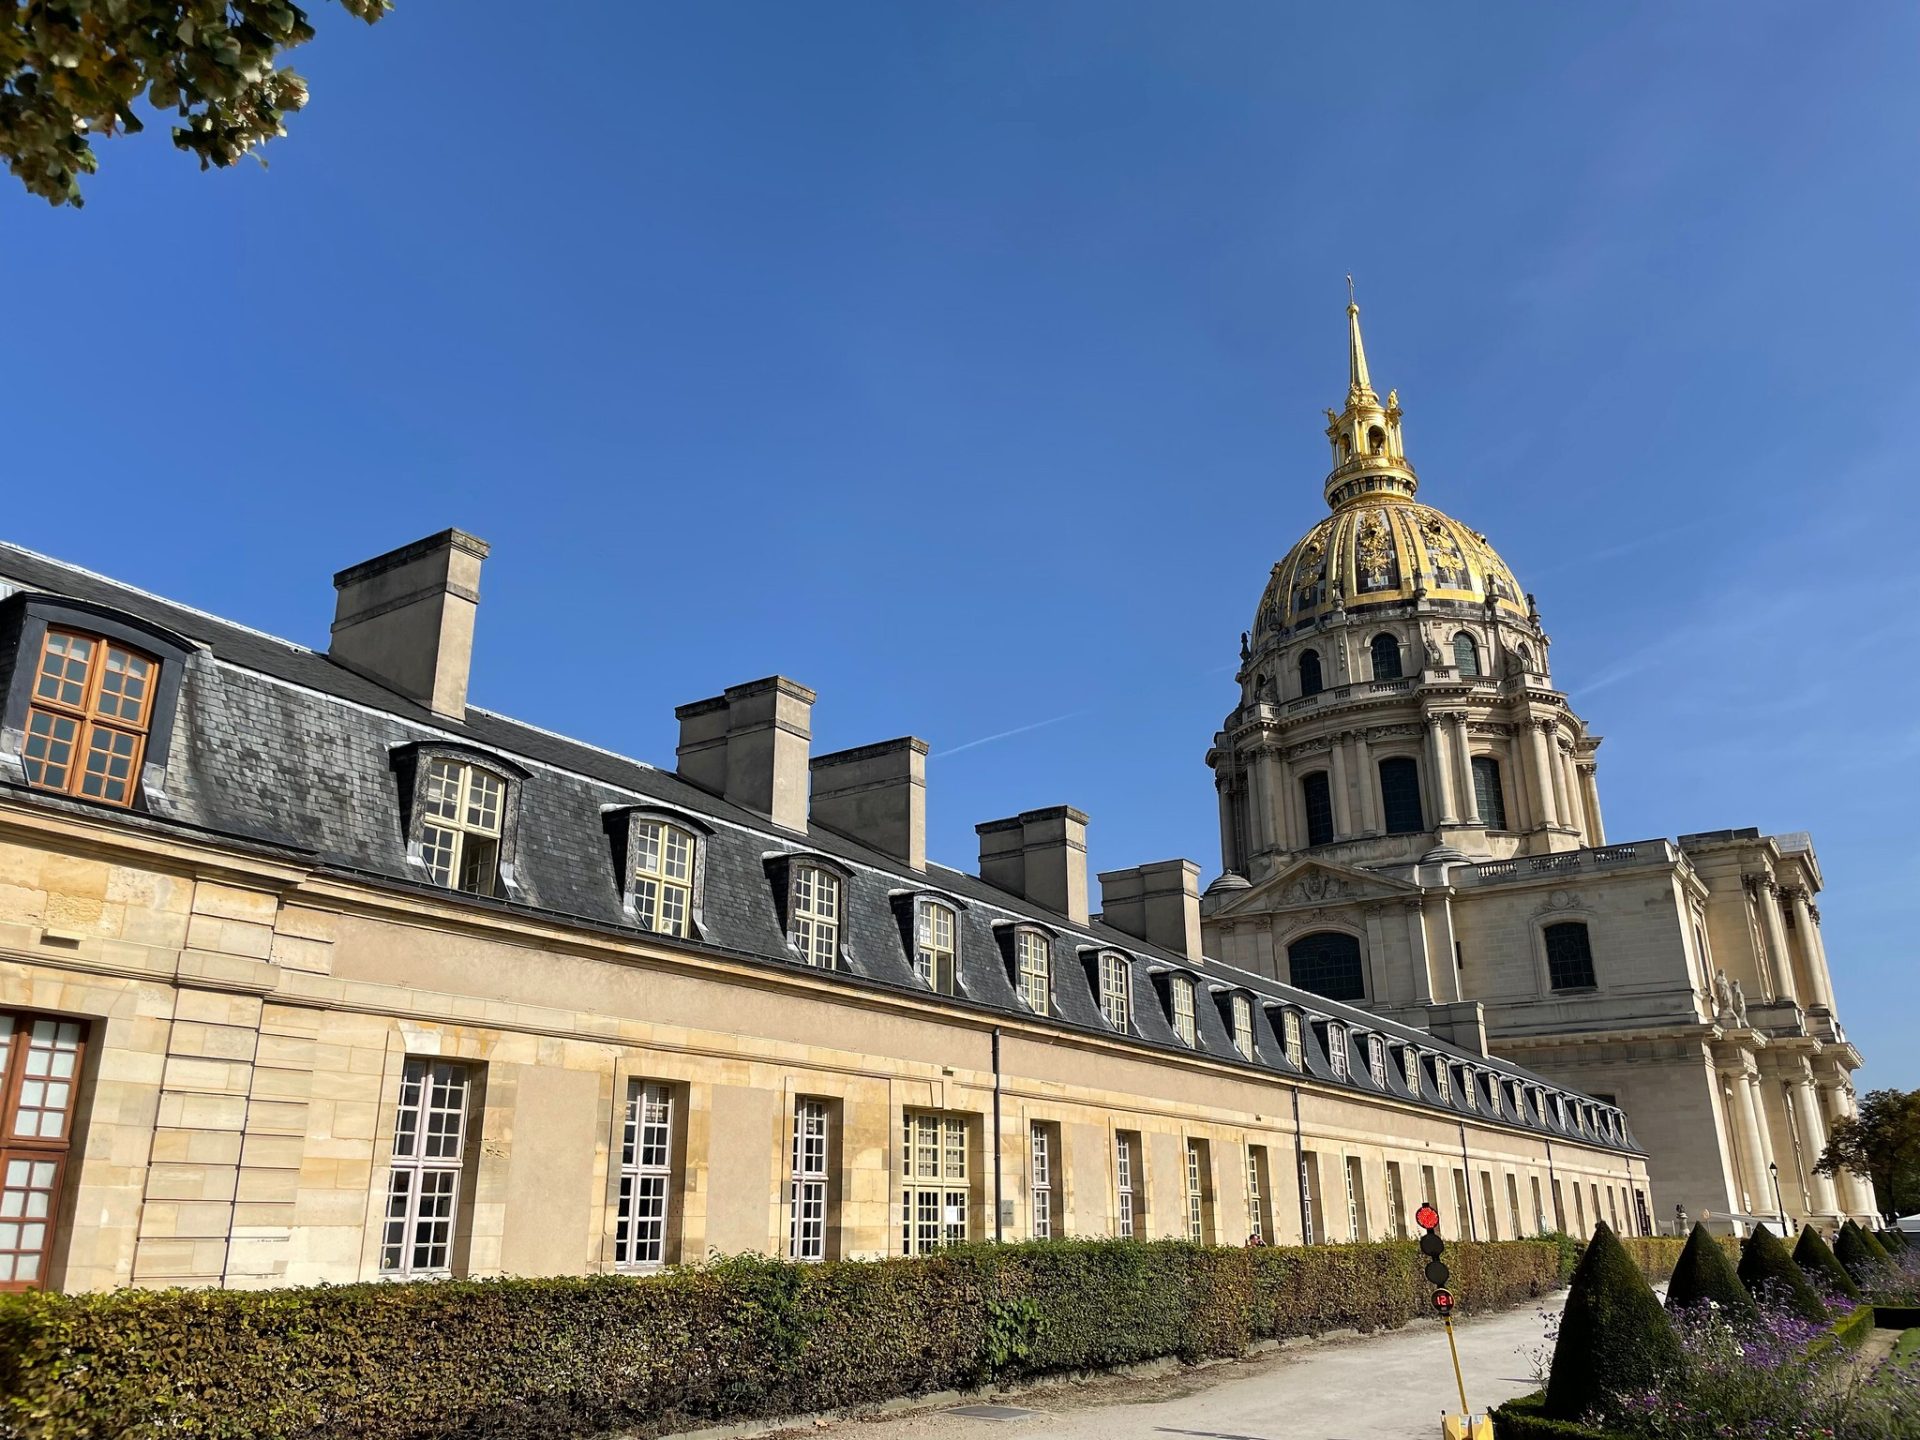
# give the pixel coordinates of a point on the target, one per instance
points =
(1337, 1051)
(462, 810)
(1377, 1060)
(662, 876)
(936, 951)
(1241, 1009)
(1180, 1009)
(1470, 1089)
(1290, 1029)
(1033, 963)
(1410, 1067)
(815, 925)
(1116, 991)
(1443, 1079)
(87, 720)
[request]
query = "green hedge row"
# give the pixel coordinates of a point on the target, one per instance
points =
(736, 1339)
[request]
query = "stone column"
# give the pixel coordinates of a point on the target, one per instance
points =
(1590, 795)
(1463, 753)
(1767, 894)
(1369, 783)
(1550, 737)
(1813, 1144)
(1567, 795)
(1286, 832)
(1440, 767)
(1543, 811)
(1819, 989)
(1342, 802)
(1755, 1153)
(1230, 858)
(1260, 803)
(1855, 1194)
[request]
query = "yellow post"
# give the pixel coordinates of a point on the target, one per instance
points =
(1458, 1379)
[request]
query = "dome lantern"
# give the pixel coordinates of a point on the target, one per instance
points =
(1369, 454)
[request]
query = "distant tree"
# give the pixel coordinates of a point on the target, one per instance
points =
(1882, 1146)
(72, 69)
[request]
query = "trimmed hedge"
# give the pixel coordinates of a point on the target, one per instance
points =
(739, 1339)
(1854, 1249)
(1771, 1277)
(1819, 1264)
(1704, 1274)
(1614, 1336)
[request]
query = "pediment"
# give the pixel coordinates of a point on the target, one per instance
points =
(1315, 885)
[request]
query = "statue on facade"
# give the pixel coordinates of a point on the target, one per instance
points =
(1433, 653)
(1723, 994)
(1739, 1004)
(1245, 653)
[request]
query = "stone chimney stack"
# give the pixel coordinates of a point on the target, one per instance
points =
(406, 619)
(876, 794)
(1039, 855)
(1157, 902)
(749, 745)
(1461, 1023)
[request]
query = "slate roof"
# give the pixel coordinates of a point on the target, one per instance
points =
(279, 746)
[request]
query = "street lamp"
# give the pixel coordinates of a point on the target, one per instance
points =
(1773, 1169)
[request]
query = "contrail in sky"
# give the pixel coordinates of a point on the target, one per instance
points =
(1005, 734)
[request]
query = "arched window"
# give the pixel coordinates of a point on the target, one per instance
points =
(1317, 795)
(1569, 956)
(1310, 672)
(1386, 656)
(1327, 963)
(1525, 652)
(1488, 795)
(934, 951)
(1466, 655)
(1400, 795)
(1376, 441)
(662, 876)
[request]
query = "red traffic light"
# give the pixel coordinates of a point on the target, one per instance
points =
(1443, 1301)
(1426, 1217)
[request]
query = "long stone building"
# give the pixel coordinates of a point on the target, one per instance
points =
(312, 971)
(1410, 822)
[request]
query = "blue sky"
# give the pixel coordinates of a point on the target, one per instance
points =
(965, 362)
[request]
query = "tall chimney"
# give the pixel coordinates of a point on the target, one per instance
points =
(405, 618)
(877, 794)
(1158, 902)
(1039, 855)
(749, 745)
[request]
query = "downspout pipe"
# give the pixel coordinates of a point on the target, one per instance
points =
(999, 1223)
(1466, 1175)
(1300, 1169)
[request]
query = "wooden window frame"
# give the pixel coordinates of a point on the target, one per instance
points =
(1181, 1014)
(1240, 1007)
(668, 890)
(814, 929)
(36, 1165)
(1116, 990)
(88, 721)
(462, 864)
(1293, 1033)
(1410, 1069)
(1377, 1060)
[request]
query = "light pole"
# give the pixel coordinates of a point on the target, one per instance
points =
(1773, 1169)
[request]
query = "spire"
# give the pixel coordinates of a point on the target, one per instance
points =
(1359, 383)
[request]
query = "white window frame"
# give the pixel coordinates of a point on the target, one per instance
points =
(817, 901)
(1443, 1079)
(1513, 1205)
(1410, 1066)
(1291, 1028)
(1347, 1164)
(1256, 1208)
(1377, 1060)
(1396, 1200)
(1040, 1187)
(935, 1192)
(1309, 1163)
(1242, 1008)
(1470, 1088)
(463, 812)
(1126, 1221)
(808, 1180)
(643, 1216)
(662, 876)
(1181, 1013)
(1337, 1049)
(1033, 969)
(1196, 1194)
(936, 953)
(424, 1173)
(1116, 990)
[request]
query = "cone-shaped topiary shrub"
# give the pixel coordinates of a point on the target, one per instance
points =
(1614, 1337)
(1875, 1244)
(1771, 1277)
(1703, 1273)
(1855, 1250)
(1895, 1241)
(1817, 1262)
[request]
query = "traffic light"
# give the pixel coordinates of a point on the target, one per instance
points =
(1433, 1247)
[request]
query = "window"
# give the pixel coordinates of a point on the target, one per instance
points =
(1180, 1003)
(88, 716)
(1463, 1206)
(1356, 1200)
(1033, 954)
(1116, 991)
(646, 1176)
(39, 1076)
(1259, 1207)
(1128, 1206)
(1337, 1050)
(1242, 1009)
(1317, 795)
(1386, 657)
(462, 808)
(1309, 1194)
(1470, 1087)
(1396, 1200)
(1327, 963)
(815, 932)
(1443, 1079)
(1539, 1208)
(662, 876)
(423, 1183)
(1377, 1060)
(1526, 657)
(1560, 1206)
(934, 952)
(807, 1186)
(1613, 1210)
(1579, 1211)
(1486, 1204)
(1410, 1064)
(1041, 1190)
(1488, 796)
(1310, 672)
(1466, 655)
(1569, 956)
(1199, 1193)
(1290, 1024)
(1513, 1206)
(1400, 795)
(934, 1199)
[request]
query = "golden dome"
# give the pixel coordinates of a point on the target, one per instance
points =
(1383, 552)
